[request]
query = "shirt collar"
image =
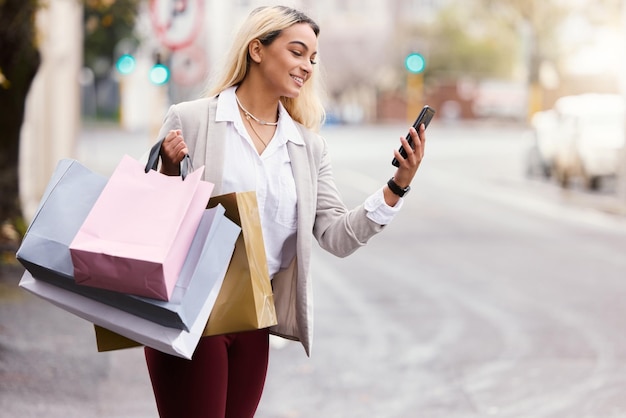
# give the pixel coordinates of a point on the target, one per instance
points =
(228, 111)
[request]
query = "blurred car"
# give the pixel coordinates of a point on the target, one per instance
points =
(543, 134)
(588, 138)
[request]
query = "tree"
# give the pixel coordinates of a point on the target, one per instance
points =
(459, 42)
(468, 46)
(19, 61)
(106, 24)
(538, 21)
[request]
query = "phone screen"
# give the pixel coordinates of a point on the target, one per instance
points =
(424, 117)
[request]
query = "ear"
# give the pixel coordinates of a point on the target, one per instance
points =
(255, 50)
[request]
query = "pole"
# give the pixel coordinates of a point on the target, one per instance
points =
(621, 170)
(415, 95)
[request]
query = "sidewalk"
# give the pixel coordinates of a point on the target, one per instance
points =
(101, 146)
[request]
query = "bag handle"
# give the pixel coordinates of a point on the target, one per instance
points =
(153, 160)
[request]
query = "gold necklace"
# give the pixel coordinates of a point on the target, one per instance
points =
(250, 115)
(257, 134)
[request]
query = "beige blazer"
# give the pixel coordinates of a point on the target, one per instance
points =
(320, 209)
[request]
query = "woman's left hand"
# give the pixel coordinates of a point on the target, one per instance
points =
(408, 166)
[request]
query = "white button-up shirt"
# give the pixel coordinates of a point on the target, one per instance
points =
(270, 175)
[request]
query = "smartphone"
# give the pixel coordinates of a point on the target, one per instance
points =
(424, 117)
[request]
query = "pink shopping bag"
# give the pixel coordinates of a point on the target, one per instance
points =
(137, 235)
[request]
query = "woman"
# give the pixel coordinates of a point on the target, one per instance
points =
(256, 131)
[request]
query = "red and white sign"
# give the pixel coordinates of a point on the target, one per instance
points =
(177, 23)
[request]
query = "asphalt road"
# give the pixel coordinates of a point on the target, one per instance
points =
(490, 295)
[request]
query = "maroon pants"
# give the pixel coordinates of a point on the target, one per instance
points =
(224, 379)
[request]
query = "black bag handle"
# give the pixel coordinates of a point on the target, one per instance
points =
(153, 160)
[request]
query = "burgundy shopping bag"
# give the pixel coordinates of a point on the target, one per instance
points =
(137, 235)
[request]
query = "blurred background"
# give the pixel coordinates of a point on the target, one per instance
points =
(65, 64)
(497, 291)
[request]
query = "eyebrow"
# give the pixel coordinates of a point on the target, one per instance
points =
(302, 44)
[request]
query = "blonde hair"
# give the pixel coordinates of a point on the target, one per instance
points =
(266, 24)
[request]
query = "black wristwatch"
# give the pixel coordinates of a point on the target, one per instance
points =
(397, 190)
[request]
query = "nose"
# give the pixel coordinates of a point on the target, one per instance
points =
(307, 67)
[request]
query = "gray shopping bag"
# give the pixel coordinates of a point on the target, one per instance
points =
(70, 194)
(68, 198)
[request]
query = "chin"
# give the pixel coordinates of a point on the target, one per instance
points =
(290, 95)
(293, 93)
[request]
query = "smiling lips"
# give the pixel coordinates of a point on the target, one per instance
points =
(298, 80)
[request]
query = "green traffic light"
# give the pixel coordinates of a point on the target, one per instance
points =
(159, 74)
(415, 63)
(125, 64)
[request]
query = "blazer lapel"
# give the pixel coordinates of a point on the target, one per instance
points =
(215, 148)
(301, 167)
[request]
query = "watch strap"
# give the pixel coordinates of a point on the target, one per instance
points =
(397, 190)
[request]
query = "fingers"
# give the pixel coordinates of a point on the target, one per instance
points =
(418, 140)
(174, 147)
(414, 154)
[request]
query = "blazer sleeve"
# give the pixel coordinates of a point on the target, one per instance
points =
(170, 122)
(338, 230)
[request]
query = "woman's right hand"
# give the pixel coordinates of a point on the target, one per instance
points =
(173, 150)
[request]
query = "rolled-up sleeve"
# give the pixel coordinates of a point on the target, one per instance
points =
(378, 210)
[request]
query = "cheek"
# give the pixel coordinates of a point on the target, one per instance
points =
(279, 66)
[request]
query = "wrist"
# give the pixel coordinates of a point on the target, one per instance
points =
(397, 189)
(170, 169)
(400, 179)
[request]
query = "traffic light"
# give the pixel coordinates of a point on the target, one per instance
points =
(159, 73)
(415, 63)
(125, 64)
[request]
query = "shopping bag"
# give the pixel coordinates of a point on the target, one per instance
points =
(107, 340)
(168, 340)
(202, 275)
(207, 259)
(136, 236)
(69, 196)
(245, 301)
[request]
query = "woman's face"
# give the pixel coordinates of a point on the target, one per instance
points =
(287, 63)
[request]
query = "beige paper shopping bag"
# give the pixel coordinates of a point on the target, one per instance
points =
(245, 301)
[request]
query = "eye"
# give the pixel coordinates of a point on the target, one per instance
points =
(298, 53)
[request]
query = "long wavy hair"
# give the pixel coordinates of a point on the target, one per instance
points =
(266, 24)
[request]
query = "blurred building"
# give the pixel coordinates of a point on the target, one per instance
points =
(363, 44)
(358, 53)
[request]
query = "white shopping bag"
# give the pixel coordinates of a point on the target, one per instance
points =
(168, 340)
